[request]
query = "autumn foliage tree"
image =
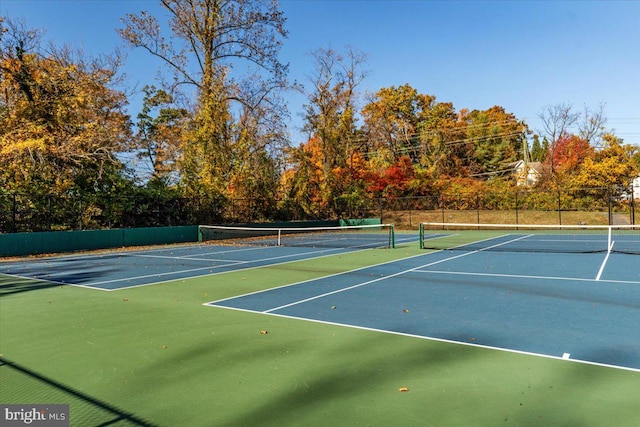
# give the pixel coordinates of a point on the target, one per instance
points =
(160, 128)
(400, 121)
(392, 122)
(496, 140)
(394, 181)
(331, 115)
(303, 181)
(214, 137)
(565, 156)
(210, 41)
(62, 122)
(611, 167)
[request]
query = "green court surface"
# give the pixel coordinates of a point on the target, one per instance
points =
(155, 355)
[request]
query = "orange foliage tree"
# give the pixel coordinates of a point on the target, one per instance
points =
(566, 154)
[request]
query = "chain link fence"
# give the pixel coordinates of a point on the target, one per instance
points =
(582, 206)
(22, 212)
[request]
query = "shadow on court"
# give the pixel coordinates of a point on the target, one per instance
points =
(13, 285)
(49, 274)
(84, 409)
(360, 379)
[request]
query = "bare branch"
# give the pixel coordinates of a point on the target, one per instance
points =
(557, 119)
(592, 125)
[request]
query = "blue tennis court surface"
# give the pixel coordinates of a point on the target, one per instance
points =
(583, 307)
(125, 269)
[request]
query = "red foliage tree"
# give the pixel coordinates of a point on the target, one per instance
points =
(394, 181)
(567, 153)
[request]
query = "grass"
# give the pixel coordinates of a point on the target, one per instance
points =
(156, 356)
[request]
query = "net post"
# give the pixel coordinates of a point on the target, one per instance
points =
(199, 234)
(392, 236)
(421, 233)
(279, 236)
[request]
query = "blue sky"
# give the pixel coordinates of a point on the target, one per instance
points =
(522, 55)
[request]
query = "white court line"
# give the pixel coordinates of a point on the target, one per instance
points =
(442, 236)
(524, 276)
(111, 252)
(220, 272)
(406, 239)
(147, 253)
(169, 273)
(338, 274)
(604, 262)
(210, 267)
(211, 303)
(435, 339)
(230, 251)
(389, 276)
(192, 270)
(55, 282)
(187, 258)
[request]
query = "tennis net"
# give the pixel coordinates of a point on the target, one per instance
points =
(352, 236)
(531, 238)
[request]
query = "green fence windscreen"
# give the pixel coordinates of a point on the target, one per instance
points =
(21, 244)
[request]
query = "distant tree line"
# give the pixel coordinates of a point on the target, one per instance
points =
(212, 130)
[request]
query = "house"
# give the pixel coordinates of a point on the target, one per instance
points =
(527, 173)
(632, 192)
(635, 188)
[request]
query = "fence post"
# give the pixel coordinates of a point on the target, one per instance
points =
(633, 208)
(80, 211)
(109, 211)
(14, 213)
(609, 207)
(233, 208)
(559, 208)
(50, 212)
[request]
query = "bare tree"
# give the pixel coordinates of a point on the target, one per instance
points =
(557, 120)
(209, 37)
(591, 126)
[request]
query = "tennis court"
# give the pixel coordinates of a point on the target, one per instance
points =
(569, 305)
(240, 248)
(261, 331)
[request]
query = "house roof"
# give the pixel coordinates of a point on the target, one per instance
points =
(536, 166)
